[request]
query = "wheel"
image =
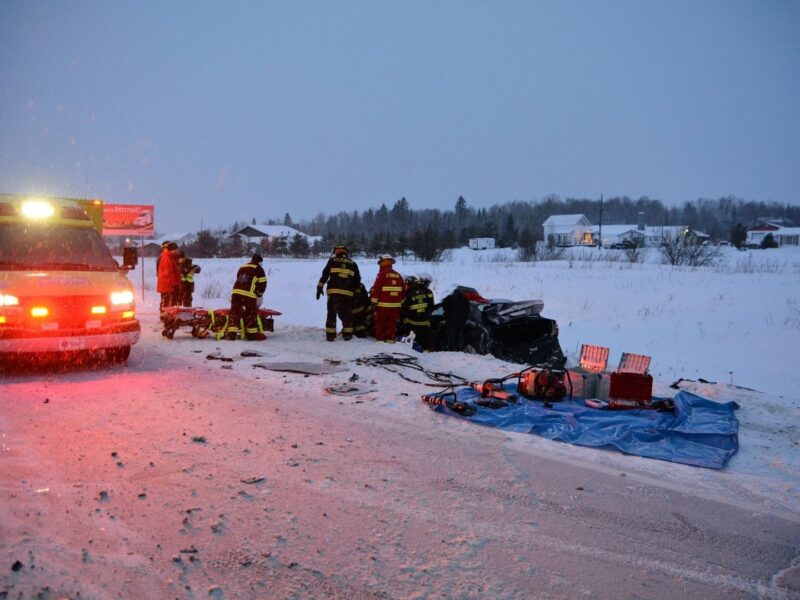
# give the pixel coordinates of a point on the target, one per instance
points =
(119, 354)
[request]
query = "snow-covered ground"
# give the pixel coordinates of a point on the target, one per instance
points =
(136, 481)
(736, 323)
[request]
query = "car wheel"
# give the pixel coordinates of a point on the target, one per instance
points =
(118, 355)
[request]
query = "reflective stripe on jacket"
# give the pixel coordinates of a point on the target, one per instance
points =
(417, 307)
(251, 281)
(389, 289)
(341, 274)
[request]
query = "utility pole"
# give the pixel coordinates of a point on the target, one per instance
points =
(600, 229)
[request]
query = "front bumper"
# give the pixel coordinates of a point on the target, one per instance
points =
(21, 340)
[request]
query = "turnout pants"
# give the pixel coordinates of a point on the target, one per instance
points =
(386, 323)
(340, 306)
(187, 291)
(244, 314)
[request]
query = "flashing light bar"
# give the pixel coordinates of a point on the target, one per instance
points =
(37, 209)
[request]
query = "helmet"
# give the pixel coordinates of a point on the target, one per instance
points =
(257, 258)
(424, 278)
(339, 249)
(384, 257)
(411, 281)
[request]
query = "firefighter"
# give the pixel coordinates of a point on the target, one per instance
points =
(168, 276)
(415, 312)
(362, 313)
(343, 279)
(387, 296)
(248, 291)
(188, 270)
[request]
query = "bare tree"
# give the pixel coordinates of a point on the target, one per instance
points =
(684, 251)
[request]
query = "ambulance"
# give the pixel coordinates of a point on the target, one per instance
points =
(61, 291)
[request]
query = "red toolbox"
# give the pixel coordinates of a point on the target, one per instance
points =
(631, 386)
(631, 381)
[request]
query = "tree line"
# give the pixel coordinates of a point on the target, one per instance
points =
(426, 233)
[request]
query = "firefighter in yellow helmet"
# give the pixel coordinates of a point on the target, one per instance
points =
(248, 290)
(343, 279)
(415, 313)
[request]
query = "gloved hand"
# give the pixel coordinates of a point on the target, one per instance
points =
(319, 292)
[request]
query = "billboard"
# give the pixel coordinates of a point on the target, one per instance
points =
(129, 219)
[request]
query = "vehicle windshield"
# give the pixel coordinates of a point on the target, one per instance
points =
(25, 246)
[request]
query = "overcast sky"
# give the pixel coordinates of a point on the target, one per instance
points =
(232, 110)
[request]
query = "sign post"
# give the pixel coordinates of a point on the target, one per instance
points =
(141, 241)
(133, 220)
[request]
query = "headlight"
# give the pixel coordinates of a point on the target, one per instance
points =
(8, 300)
(124, 297)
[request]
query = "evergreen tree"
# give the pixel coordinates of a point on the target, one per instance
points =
(769, 242)
(205, 246)
(299, 246)
(738, 235)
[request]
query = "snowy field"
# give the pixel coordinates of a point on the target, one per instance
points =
(180, 476)
(736, 324)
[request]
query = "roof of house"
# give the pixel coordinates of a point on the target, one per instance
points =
(614, 229)
(564, 220)
(765, 227)
(788, 231)
(273, 231)
(169, 237)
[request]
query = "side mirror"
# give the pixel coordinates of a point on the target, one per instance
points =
(130, 257)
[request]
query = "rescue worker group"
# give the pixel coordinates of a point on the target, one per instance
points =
(394, 308)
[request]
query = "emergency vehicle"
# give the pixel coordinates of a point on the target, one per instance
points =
(60, 288)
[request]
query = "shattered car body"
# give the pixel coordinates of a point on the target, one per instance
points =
(509, 330)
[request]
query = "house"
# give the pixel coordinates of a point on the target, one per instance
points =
(153, 247)
(568, 230)
(481, 243)
(783, 236)
(643, 235)
(256, 234)
(618, 234)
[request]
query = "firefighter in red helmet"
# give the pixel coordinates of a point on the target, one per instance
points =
(343, 279)
(387, 296)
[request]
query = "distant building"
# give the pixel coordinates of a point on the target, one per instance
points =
(783, 236)
(576, 230)
(481, 243)
(256, 234)
(568, 230)
(153, 247)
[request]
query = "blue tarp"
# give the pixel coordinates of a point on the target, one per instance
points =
(699, 432)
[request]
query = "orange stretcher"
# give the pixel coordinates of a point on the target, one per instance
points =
(205, 322)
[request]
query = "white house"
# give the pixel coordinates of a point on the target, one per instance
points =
(568, 230)
(153, 247)
(783, 236)
(616, 234)
(651, 235)
(255, 234)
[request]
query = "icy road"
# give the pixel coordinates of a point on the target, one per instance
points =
(180, 476)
